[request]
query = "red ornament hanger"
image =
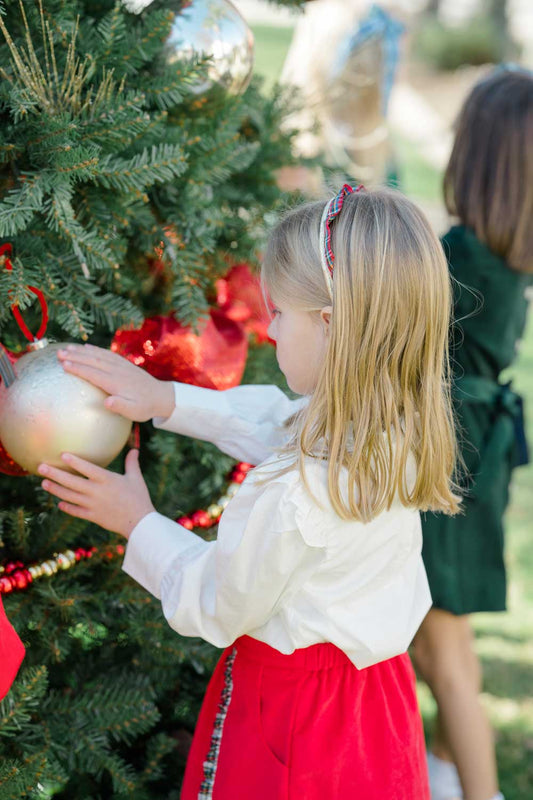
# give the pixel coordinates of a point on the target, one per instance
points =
(5, 252)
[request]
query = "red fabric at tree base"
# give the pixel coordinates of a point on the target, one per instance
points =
(307, 726)
(11, 653)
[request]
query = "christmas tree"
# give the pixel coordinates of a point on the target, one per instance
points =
(126, 192)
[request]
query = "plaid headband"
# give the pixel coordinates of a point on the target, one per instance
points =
(332, 209)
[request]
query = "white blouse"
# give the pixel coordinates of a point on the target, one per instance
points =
(285, 569)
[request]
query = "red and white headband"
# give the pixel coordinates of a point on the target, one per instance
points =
(332, 209)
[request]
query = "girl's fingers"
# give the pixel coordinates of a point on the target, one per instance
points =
(97, 358)
(98, 474)
(84, 351)
(94, 374)
(132, 463)
(89, 354)
(63, 493)
(85, 359)
(81, 353)
(88, 348)
(67, 479)
(75, 511)
(122, 405)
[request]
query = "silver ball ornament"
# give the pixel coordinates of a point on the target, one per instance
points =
(46, 412)
(214, 28)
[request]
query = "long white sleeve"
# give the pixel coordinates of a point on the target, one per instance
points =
(224, 589)
(245, 422)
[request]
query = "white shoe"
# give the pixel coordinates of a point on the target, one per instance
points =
(444, 780)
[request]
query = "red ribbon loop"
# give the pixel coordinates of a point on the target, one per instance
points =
(5, 250)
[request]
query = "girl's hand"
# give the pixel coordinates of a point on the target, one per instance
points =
(113, 501)
(133, 392)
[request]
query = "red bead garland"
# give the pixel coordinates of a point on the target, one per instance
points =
(209, 517)
(15, 576)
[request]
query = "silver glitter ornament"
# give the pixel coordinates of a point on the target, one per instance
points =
(214, 28)
(46, 412)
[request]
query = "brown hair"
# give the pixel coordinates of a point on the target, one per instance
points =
(381, 412)
(488, 183)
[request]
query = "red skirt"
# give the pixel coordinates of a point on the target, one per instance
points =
(307, 726)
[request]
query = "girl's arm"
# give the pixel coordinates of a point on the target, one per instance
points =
(245, 422)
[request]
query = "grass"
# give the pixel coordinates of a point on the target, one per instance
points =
(418, 179)
(271, 46)
(504, 642)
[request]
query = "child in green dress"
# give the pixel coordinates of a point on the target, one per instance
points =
(488, 186)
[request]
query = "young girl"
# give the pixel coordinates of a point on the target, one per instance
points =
(315, 584)
(489, 187)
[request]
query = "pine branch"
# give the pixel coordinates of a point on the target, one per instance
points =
(121, 710)
(224, 157)
(140, 47)
(13, 284)
(8, 151)
(13, 784)
(20, 778)
(189, 301)
(118, 127)
(175, 84)
(56, 133)
(155, 165)
(23, 699)
(158, 748)
(21, 204)
(89, 248)
(111, 31)
(94, 308)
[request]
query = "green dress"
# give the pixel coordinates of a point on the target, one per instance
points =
(464, 555)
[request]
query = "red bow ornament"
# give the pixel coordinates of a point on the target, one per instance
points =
(240, 297)
(215, 358)
(11, 652)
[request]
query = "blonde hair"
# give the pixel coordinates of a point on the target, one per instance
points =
(383, 393)
(488, 183)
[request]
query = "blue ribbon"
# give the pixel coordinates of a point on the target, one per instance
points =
(377, 24)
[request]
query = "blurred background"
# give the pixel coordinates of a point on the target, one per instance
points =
(444, 48)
